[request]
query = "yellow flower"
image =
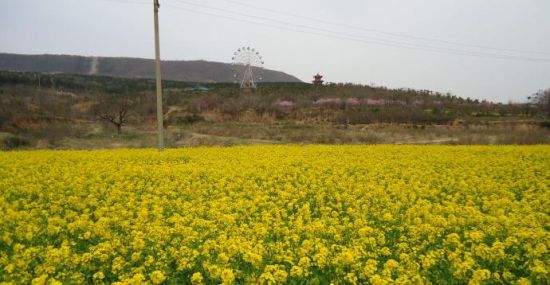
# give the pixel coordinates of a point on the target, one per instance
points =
(136, 279)
(348, 257)
(296, 271)
(304, 262)
(53, 281)
(479, 276)
(227, 276)
(351, 278)
(9, 268)
(136, 256)
(387, 217)
(157, 277)
(370, 267)
(223, 257)
(280, 275)
(98, 276)
(41, 280)
(278, 214)
(196, 278)
(377, 280)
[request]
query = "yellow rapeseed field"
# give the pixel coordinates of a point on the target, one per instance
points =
(277, 214)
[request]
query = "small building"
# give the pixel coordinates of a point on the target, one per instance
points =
(317, 79)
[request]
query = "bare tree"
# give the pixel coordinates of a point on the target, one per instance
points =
(541, 99)
(115, 110)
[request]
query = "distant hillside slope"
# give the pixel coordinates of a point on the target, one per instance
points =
(196, 71)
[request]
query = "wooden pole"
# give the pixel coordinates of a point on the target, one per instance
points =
(159, 81)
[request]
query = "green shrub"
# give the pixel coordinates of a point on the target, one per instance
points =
(187, 119)
(13, 142)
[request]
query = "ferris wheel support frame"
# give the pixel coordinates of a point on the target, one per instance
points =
(247, 64)
(248, 79)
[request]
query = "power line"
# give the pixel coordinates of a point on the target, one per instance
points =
(383, 32)
(128, 2)
(287, 26)
(286, 23)
(334, 34)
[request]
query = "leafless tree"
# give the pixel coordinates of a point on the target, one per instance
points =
(115, 110)
(541, 99)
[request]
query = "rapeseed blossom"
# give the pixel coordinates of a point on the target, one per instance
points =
(277, 215)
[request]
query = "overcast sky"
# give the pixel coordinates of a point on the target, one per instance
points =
(492, 49)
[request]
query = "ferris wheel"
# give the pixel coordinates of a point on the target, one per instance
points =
(247, 67)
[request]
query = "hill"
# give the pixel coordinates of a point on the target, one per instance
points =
(62, 111)
(195, 71)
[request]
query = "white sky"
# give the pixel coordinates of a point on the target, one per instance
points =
(124, 28)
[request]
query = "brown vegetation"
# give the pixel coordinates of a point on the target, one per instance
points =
(63, 111)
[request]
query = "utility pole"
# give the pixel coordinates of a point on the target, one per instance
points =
(159, 81)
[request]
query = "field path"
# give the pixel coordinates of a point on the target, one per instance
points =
(94, 66)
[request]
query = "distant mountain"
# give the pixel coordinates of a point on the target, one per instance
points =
(196, 71)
